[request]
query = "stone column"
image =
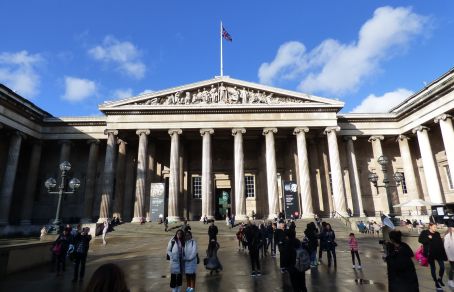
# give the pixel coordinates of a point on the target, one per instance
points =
(271, 173)
(430, 171)
(90, 180)
(207, 194)
(336, 171)
(30, 187)
(107, 186)
(120, 180)
(377, 151)
(354, 176)
(447, 132)
(240, 199)
(303, 172)
(141, 176)
(65, 151)
(174, 175)
(10, 176)
(407, 161)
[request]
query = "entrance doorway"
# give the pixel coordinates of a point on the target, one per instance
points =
(222, 204)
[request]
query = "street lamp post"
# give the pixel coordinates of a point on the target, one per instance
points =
(398, 177)
(51, 183)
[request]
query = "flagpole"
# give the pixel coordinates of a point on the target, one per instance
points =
(222, 66)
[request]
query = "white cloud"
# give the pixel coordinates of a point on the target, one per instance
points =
(78, 89)
(125, 55)
(336, 68)
(146, 91)
(382, 104)
(122, 93)
(18, 71)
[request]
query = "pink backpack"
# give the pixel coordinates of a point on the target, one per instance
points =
(419, 255)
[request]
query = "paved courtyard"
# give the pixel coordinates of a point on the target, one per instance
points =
(140, 251)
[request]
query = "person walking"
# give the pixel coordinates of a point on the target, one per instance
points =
(330, 237)
(435, 251)
(191, 259)
(273, 241)
(449, 248)
(354, 250)
(401, 270)
(311, 239)
(262, 230)
(212, 262)
(166, 224)
(239, 237)
(175, 256)
(212, 232)
(59, 251)
(104, 232)
(297, 278)
(279, 238)
(254, 241)
(81, 246)
(322, 238)
(268, 238)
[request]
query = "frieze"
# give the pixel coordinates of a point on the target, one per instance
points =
(221, 94)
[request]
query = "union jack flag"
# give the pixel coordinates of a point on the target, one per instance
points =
(226, 35)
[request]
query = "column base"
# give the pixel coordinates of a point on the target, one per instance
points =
(101, 220)
(136, 220)
(176, 219)
(241, 217)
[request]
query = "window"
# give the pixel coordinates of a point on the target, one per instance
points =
(403, 183)
(197, 187)
(250, 186)
(448, 177)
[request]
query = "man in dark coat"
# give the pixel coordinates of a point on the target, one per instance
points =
(212, 232)
(297, 278)
(280, 240)
(81, 246)
(401, 270)
(434, 251)
(254, 242)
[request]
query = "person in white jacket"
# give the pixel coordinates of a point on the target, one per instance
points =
(175, 249)
(449, 248)
(191, 259)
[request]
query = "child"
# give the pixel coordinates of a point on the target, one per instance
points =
(353, 244)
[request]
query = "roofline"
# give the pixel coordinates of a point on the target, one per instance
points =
(25, 102)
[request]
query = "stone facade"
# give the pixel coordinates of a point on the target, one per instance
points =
(225, 145)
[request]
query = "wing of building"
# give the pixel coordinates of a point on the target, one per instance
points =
(225, 146)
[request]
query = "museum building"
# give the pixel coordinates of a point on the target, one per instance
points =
(226, 146)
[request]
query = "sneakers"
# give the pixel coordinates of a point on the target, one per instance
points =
(258, 274)
(253, 274)
(359, 267)
(451, 283)
(353, 267)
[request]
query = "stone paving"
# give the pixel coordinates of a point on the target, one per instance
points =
(140, 251)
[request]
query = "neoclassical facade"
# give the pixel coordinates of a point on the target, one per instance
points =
(225, 146)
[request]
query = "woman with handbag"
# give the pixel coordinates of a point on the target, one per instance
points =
(331, 244)
(435, 252)
(212, 262)
(175, 256)
(191, 259)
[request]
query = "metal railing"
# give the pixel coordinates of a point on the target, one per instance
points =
(344, 219)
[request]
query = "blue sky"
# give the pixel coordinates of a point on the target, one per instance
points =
(69, 56)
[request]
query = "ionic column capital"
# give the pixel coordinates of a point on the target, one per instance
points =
(238, 131)
(420, 129)
(375, 138)
(269, 130)
(175, 131)
(110, 131)
(349, 138)
(402, 137)
(442, 117)
(92, 141)
(299, 130)
(331, 129)
(143, 131)
(206, 131)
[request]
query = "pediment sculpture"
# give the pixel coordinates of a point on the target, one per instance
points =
(221, 94)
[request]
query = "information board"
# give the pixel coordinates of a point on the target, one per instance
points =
(291, 200)
(157, 195)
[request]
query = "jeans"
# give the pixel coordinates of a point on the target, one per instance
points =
(80, 262)
(433, 270)
(313, 256)
(332, 254)
(255, 262)
(355, 252)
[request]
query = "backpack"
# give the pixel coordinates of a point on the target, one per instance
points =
(171, 248)
(303, 261)
(57, 248)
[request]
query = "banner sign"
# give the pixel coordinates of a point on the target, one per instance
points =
(157, 194)
(291, 200)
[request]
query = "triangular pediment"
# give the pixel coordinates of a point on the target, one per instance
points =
(220, 92)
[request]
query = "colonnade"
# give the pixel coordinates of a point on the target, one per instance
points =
(338, 191)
